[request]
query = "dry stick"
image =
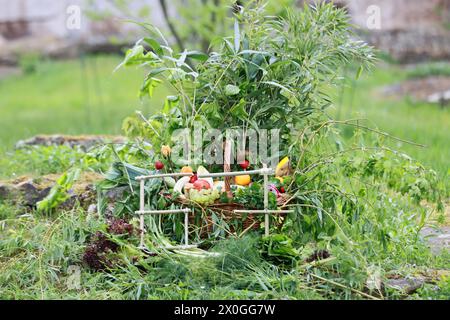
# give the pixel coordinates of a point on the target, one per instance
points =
(170, 24)
(215, 85)
(309, 141)
(141, 208)
(347, 122)
(139, 113)
(314, 165)
(318, 263)
(329, 158)
(337, 284)
(247, 229)
(344, 194)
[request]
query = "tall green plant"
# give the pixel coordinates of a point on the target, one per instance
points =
(270, 74)
(274, 72)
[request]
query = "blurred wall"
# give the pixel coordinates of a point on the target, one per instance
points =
(44, 26)
(410, 30)
(403, 14)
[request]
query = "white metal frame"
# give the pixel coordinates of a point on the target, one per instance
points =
(265, 171)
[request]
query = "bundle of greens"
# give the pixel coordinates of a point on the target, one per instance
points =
(352, 198)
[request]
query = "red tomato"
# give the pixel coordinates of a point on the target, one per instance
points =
(159, 165)
(201, 184)
(244, 165)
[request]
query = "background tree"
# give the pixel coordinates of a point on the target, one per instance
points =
(192, 23)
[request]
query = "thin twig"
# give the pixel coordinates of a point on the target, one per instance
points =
(357, 125)
(337, 284)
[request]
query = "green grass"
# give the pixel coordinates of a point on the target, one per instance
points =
(80, 96)
(421, 123)
(430, 69)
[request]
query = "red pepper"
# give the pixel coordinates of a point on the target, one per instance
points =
(193, 178)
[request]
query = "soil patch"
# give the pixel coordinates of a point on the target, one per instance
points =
(85, 142)
(419, 89)
(29, 191)
(7, 71)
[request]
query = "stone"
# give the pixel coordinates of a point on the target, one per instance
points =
(116, 194)
(31, 194)
(442, 98)
(28, 191)
(85, 142)
(405, 285)
(92, 209)
(438, 239)
(421, 89)
(5, 191)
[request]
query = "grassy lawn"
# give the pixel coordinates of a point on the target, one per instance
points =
(73, 97)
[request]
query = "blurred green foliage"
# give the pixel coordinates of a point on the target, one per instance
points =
(73, 97)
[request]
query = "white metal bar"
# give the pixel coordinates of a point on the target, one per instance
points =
(264, 171)
(209, 175)
(143, 212)
(186, 229)
(178, 247)
(164, 175)
(141, 208)
(181, 247)
(263, 211)
(266, 202)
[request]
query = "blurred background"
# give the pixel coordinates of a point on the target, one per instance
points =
(57, 59)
